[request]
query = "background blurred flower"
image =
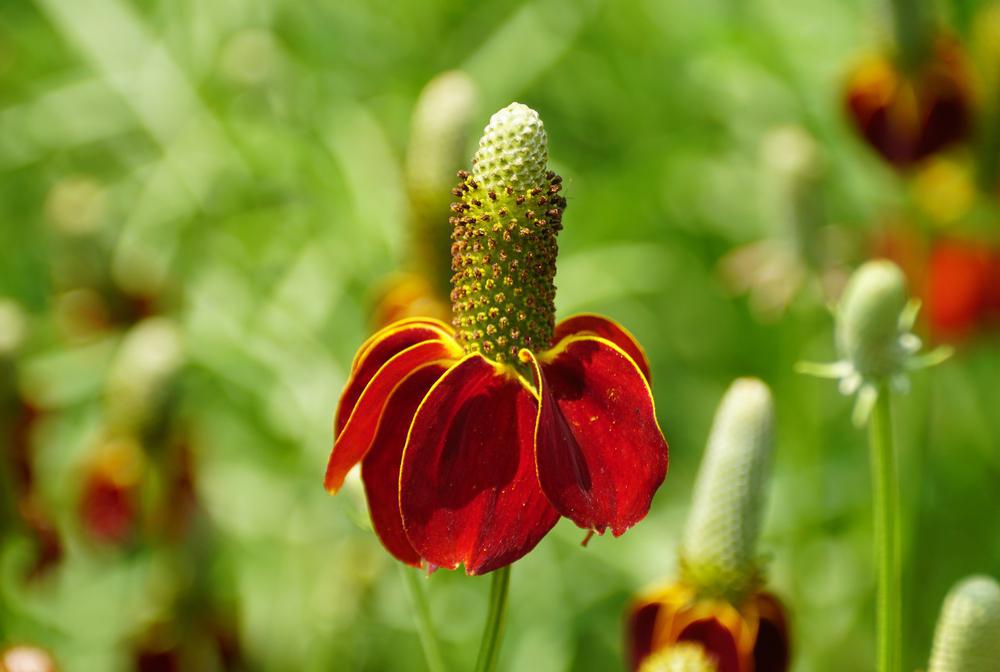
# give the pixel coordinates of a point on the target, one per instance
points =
(109, 504)
(440, 131)
(907, 116)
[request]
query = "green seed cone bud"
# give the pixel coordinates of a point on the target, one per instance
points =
(869, 332)
(718, 549)
(504, 240)
(439, 136)
(682, 657)
(967, 638)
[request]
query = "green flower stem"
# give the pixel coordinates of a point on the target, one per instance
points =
(886, 495)
(911, 24)
(425, 626)
(489, 648)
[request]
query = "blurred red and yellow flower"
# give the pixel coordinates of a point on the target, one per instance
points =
(753, 638)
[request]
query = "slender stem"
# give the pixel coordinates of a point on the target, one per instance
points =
(911, 22)
(425, 626)
(886, 495)
(489, 648)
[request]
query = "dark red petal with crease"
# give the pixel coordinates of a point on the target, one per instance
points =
(770, 649)
(639, 632)
(600, 453)
(589, 323)
(380, 468)
(718, 642)
(354, 441)
(468, 490)
(374, 353)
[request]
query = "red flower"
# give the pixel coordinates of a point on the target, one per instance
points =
(465, 461)
(961, 282)
(474, 440)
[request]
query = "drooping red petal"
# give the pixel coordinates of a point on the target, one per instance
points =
(405, 322)
(380, 467)
(771, 647)
(376, 351)
(718, 641)
(591, 323)
(599, 450)
(354, 440)
(468, 489)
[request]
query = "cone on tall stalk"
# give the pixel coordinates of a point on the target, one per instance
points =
(718, 617)
(878, 349)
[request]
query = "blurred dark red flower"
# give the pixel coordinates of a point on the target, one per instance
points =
(465, 461)
(108, 506)
(753, 638)
(906, 116)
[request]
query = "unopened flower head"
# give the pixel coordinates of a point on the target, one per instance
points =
(718, 551)
(874, 322)
(871, 332)
(439, 136)
(967, 638)
(682, 657)
(504, 250)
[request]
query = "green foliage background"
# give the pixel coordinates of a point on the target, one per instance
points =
(247, 161)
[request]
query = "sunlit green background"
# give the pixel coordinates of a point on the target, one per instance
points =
(241, 162)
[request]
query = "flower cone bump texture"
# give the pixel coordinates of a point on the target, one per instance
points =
(967, 638)
(504, 249)
(718, 552)
(475, 438)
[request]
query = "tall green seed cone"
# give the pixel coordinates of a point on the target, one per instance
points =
(967, 638)
(682, 657)
(870, 332)
(504, 245)
(439, 138)
(718, 549)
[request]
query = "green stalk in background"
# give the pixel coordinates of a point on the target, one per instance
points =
(425, 625)
(885, 485)
(913, 29)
